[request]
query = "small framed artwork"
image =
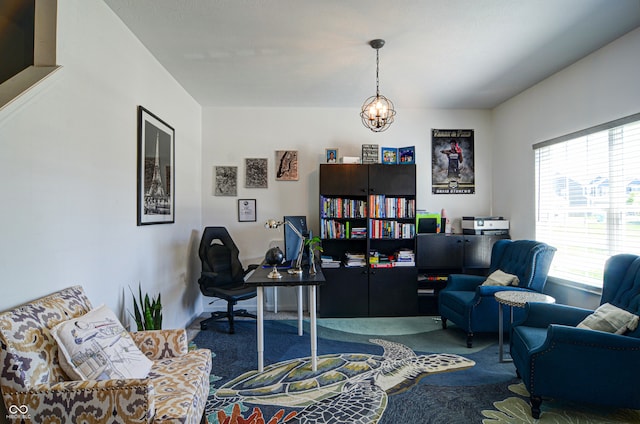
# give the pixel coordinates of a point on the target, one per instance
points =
(255, 173)
(156, 169)
(407, 155)
(370, 153)
(331, 155)
(389, 155)
(286, 165)
(247, 210)
(226, 181)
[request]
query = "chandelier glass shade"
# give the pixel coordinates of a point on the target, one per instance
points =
(377, 111)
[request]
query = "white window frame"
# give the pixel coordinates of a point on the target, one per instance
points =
(565, 219)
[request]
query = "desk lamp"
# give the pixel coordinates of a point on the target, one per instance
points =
(272, 223)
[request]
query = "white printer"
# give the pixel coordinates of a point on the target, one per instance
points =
(488, 225)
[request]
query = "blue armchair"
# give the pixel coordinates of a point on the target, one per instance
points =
(472, 306)
(557, 360)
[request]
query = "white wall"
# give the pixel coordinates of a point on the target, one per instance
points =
(599, 88)
(68, 171)
(231, 135)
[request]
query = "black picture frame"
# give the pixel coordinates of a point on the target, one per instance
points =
(247, 210)
(156, 170)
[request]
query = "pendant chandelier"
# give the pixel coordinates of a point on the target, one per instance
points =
(377, 112)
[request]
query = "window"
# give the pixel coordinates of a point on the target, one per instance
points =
(588, 198)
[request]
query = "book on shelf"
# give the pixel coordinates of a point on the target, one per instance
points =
(358, 232)
(382, 265)
(327, 258)
(382, 206)
(338, 207)
(327, 261)
(425, 277)
(354, 259)
(426, 291)
(381, 228)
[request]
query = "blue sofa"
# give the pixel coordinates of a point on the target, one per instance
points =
(472, 306)
(557, 360)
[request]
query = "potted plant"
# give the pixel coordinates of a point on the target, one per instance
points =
(148, 312)
(314, 245)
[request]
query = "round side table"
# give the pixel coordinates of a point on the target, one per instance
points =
(515, 298)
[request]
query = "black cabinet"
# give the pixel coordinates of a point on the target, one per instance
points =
(392, 291)
(367, 209)
(344, 293)
(438, 255)
(348, 180)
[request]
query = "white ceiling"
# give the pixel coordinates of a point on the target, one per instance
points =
(315, 53)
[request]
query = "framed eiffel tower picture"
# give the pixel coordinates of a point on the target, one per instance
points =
(156, 170)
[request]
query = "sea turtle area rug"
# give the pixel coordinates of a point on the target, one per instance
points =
(373, 370)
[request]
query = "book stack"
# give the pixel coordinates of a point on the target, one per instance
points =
(405, 257)
(329, 262)
(359, 232)
(354, 260)
(381, 261)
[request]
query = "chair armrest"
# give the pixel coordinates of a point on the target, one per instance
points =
(113, 401)
(544, 314)
(249, 269)
(464, 282)
(492, 290)
(591, 338)
(563, 341)
(159, 344)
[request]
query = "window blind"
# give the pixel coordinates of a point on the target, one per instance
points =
(587, 187)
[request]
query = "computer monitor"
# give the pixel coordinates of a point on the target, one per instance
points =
(291, 239)
(427, 225)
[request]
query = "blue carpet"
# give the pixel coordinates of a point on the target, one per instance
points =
(488, 392)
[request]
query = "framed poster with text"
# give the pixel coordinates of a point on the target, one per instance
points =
(452, 158)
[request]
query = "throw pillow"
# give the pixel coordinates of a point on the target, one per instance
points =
(501, 278)
(611, 319)
(95, 346)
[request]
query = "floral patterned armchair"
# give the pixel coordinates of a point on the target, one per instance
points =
(36, 389)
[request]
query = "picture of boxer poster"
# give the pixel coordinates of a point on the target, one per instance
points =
(452, 162)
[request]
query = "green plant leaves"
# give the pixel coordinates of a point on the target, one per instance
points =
(148, 312)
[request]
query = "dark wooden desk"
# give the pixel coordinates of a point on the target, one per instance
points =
(260, 280)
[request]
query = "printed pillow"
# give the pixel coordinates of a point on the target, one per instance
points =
(501, 278)
(95, 346)
(611, 319)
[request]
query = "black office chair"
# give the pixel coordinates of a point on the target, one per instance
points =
(222, 275)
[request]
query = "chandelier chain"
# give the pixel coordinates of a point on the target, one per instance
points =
(377, 73)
